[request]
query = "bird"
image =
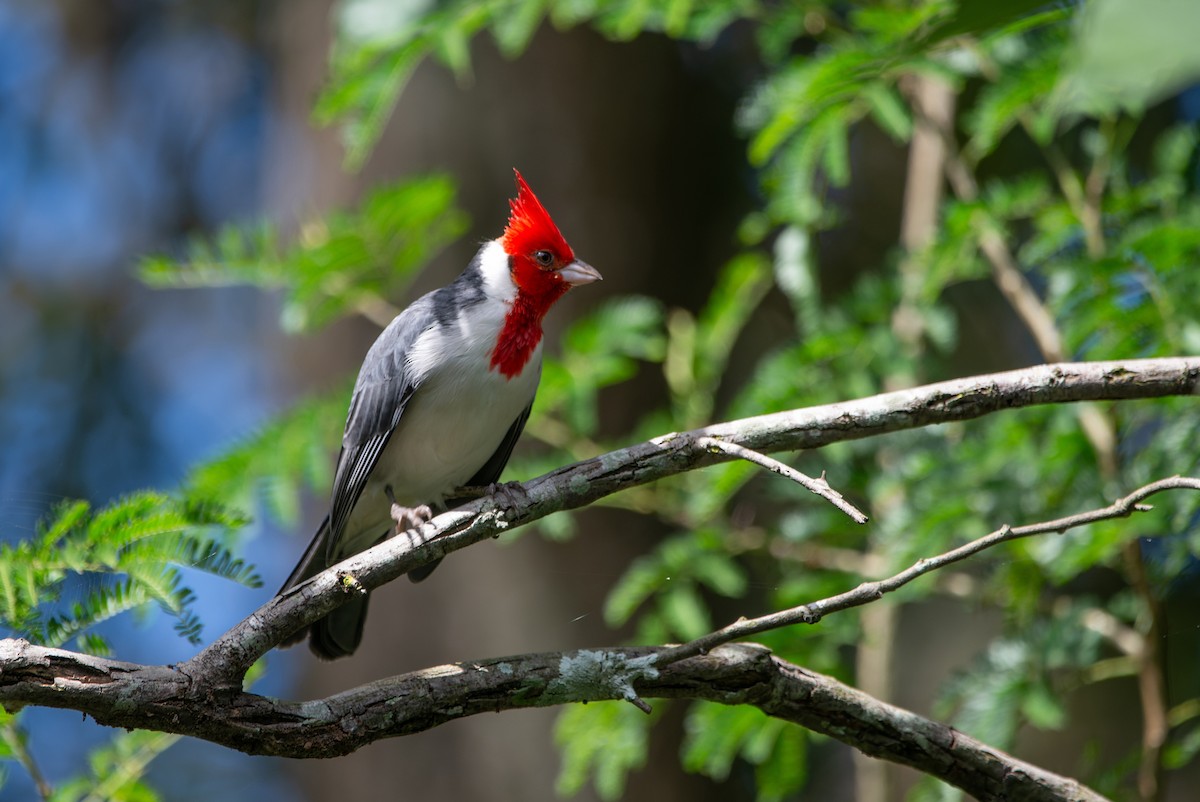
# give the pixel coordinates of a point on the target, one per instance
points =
(441, 399)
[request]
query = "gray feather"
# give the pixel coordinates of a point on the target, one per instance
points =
(383, 389)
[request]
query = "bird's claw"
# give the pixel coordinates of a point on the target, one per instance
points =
(513, 492)
(410, 517)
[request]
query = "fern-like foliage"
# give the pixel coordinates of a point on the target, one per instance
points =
(115, 771)
(346, 262)
(124, 556)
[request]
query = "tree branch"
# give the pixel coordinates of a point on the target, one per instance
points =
(411, 703)
(225, 662)
(203, 697)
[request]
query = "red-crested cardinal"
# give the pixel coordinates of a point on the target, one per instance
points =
(440, 401)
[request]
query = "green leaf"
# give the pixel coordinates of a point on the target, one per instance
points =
(720, 573)
(889, 111)
(1175, 149)
(897, 23)
(603, 741)
(1181, 751)
(640, 581)
(277, 464)
(116, 769)
(214, 558)
(1019, 94)
(515, 28)
(784, 772)
(67, 517)
(1012, 682)
(837, 150)
(11, 731)
(677, 14)
(363, 93)
(100, 606)
(600, 350)
(1043, 709)
(132, 550)
(929, 789)
(741, 286)
(684, 611)
(716, 735)
(795, 275)
(984, 17)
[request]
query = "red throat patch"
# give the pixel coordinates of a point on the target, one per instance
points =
(518, 339)
(529, 231)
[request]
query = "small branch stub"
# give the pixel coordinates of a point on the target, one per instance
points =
(818, 486)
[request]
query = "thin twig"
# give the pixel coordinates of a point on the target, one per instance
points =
(14, 738)
(819, 486)
(954, 584)
(870, 591)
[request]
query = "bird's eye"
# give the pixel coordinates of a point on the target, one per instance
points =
(544, 258)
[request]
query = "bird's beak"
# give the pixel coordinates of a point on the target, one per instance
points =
(579, 272)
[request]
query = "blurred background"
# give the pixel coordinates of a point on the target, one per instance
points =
(128, 127)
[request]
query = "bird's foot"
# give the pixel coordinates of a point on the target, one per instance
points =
(512, 493)
(410, 517)
(407, 517)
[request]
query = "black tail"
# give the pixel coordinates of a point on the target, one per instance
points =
(339, 633)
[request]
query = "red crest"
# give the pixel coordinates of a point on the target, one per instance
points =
(530, 227)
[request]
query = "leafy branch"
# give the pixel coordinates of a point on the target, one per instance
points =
(868, 592)
(344, 262)
(204, 696)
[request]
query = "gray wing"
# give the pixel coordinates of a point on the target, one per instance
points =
(385, 385)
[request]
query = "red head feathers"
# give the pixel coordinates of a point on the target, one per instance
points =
(530, 227)
(538, 255)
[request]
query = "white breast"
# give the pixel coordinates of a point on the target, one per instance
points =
(455, 421)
